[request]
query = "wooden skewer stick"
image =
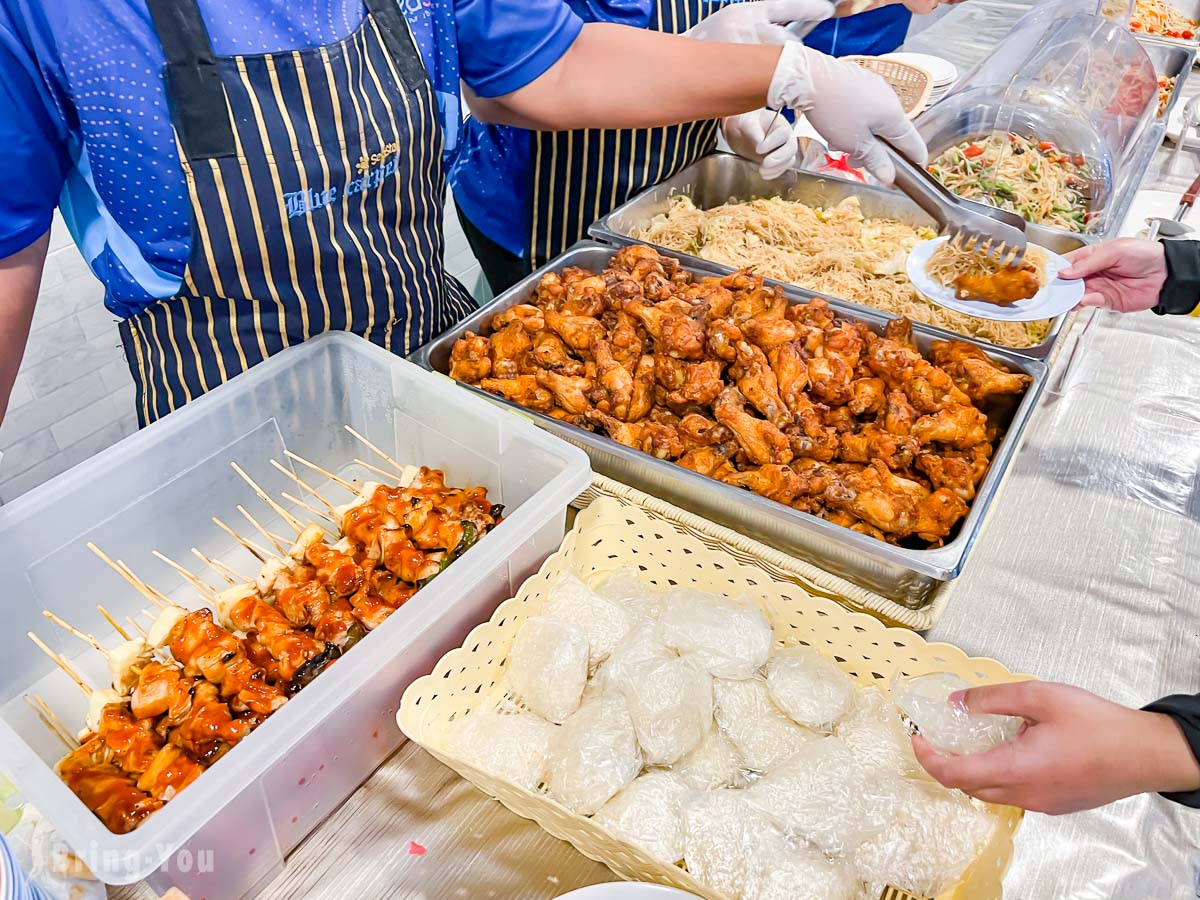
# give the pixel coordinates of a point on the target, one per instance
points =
(266, 498)
(52, 722)
(390, 476)
(61, 663)
(155, 596)
(212, 564)
(300, 481)
(308, 506)
(113, 622)
(136, 627)
(86, 638)
(395, 465)
(312, 465)
(203, 587)
(252, 548)
(125, 572)
(276, 540)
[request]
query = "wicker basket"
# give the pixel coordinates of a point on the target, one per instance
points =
(609, 535)
(912, 84)
(812, 578)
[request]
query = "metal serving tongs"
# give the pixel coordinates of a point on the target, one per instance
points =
(1174, 227)
(972, 226)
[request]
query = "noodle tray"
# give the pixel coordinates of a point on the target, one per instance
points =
(723, 178)
(903, 574)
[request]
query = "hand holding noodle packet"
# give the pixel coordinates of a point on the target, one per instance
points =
(1076, 751)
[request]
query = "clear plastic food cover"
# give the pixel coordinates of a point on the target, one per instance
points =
(1066, 75)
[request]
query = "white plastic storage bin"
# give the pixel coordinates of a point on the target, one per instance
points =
(230, 831)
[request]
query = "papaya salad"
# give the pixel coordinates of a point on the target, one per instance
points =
(1035, 179)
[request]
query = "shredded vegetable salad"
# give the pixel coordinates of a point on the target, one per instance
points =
(1166, 84)
(1034, 179)
(1159, 17)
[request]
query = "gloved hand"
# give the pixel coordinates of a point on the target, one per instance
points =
(765, 137)
(760, 22)
(1126, 274)
(850, 107)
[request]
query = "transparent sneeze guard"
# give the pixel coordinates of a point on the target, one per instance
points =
(1067, 76)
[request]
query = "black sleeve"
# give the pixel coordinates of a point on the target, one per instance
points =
(1184, 709)
(1181, 293)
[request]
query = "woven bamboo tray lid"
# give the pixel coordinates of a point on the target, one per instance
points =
(912, 84)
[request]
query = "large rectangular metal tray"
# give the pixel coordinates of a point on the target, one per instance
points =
(722, 178)
(904, 575)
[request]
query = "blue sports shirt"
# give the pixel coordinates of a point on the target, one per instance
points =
(492, 176)
(84, 121)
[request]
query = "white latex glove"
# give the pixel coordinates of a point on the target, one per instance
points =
(765, 137)
(850, 107)
(760, 21)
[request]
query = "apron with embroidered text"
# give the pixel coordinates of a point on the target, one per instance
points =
(316, 190)
(579, 176)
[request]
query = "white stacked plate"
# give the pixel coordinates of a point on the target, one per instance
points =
(943, 72)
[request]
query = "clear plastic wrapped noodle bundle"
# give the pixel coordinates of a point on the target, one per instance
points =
(721, 836)
(1079, 94)
(875, 733)
(714, 763)
(730, 638)
(809, 687)
(641, 649)
(950, 727)
(763, 736)
(548, 667)
(649, 815)
(825, 795)
(593, 755)
(509, 745)
(933, 835)
(604, 621)
(670, 703)
(785, 870)
(640, 598)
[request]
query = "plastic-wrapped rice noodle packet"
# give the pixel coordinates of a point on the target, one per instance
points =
(809, 687)
(548, 667)
(510, 744)
(603, 620)
(949, 727)
(730, 638)
(714, 763)
(649, 814)
(875, 733)
(670, 703)
(625, 586)
(721, 833)
(762, 735)
(594, 754)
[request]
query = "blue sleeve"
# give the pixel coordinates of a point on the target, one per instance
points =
(33, 146)
(506, 44)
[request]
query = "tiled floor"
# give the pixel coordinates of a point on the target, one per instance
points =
(73, 396)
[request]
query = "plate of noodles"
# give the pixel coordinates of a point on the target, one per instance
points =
(976, 285)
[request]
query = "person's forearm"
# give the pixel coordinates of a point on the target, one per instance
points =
(1169, 765)
(614, 76)
(20, 275)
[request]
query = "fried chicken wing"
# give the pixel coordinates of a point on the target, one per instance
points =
(578, 332)
(873, 442)
(829, 380)
(711, 461)
(867, 396)
(974, 374)
(722, 340)
(672, 325)
(642, 398)
(937, 515)
(654, 438)
(960, 426)
(756, 380)
(698, 431)
(625, 336)
(883, 499)
(844, 342)
(770, 328)
(471, 358)
(700, 384)
(526, 315)
(509, 347)
(523, 389)
(898, 417)
(811, 438)
(763, 442)
(900, 331)
(570, 391)
(791, 371)
(957, 470)
(928, 388)
(775, 482)
(614, 381)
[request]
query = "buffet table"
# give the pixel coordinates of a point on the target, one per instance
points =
(1085, 573)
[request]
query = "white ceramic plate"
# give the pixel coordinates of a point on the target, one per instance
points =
(1154, 203)
(627, 890)
(942, 71)
(1056, 297)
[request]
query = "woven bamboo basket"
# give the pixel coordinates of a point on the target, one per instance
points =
(609, 535)
(912, 84)
(811, 577)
